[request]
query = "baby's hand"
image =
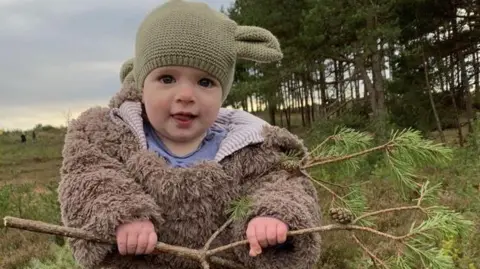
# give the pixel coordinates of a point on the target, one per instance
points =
(265, 231)
(137, 238)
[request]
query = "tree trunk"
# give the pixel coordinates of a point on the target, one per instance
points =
(340, 78)
(378, 80)
(360, 65)
(250, 99)
(466, 89)
(323, 85)
(272, 111)
(451, 79)
(336, 81)
(306, 97)
(476, 71)
(432, 102)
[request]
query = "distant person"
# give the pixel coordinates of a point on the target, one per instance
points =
(164, 162)
(23, 138)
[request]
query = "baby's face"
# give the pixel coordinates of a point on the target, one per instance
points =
(181, 102)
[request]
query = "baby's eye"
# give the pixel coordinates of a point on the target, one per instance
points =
(205, 82)
(166, 79)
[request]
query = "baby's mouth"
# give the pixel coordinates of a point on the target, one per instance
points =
(184, 117)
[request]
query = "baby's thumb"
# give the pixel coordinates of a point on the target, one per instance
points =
(255, 247)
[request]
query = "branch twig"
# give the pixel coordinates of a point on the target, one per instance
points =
(347, 157)
(316, 148)
(304, 173)
(198, 255)
(215, 235)
(369, 252)
(388, 210)
(41, 227)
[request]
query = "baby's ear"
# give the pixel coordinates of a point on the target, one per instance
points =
(257, 44)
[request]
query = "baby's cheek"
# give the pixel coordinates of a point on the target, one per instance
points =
(210, 116)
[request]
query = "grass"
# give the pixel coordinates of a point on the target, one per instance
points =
(29, 174)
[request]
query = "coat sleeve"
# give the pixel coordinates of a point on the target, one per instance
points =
(293, 200)
(96, 193)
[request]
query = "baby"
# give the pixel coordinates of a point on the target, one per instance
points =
(165, 161)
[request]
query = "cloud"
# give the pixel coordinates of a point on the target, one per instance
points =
(58, 55)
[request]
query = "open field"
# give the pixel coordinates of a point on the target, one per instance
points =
(29, 174)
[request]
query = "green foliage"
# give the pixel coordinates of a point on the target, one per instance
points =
(406, 152)
(423, 250)
(239, 208)
(343, 142)
(31, 201)
(62, 259)
(321, 129)
(410, 152)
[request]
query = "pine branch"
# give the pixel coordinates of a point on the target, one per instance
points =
(38, 226)
(388, 210)
(304, 173)
(442, 221)
(205, 264)
(369, 252)
(319, 146)
(225, 263)
(319, 161)
(42, 227)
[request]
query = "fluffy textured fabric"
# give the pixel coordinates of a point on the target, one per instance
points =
(109, 178)
(193, 34)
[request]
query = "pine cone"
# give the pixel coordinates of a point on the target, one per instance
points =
(341, 215)
(291, 166)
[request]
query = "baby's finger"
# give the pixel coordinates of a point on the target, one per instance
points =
(272, 234)
(261, 233)
(255, 248)
(141, 243)
(152, 241)
(282, 231)
(122, 243)
(131, 242)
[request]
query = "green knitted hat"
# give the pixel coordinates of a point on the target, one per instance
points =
(126, 69)
(192, 34)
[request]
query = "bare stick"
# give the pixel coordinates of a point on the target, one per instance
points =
(215, 235)
(37, 226)
(205, 264)
(325, 228)
(225, 263)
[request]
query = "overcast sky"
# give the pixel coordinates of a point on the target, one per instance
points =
(64, 55)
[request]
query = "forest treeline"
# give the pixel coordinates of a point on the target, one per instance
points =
(411, 62)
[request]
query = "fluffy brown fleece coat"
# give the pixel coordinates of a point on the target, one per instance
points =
(109, 178)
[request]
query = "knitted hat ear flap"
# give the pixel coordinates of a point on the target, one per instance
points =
(257, 44)
(128, 91)
(126, 69)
